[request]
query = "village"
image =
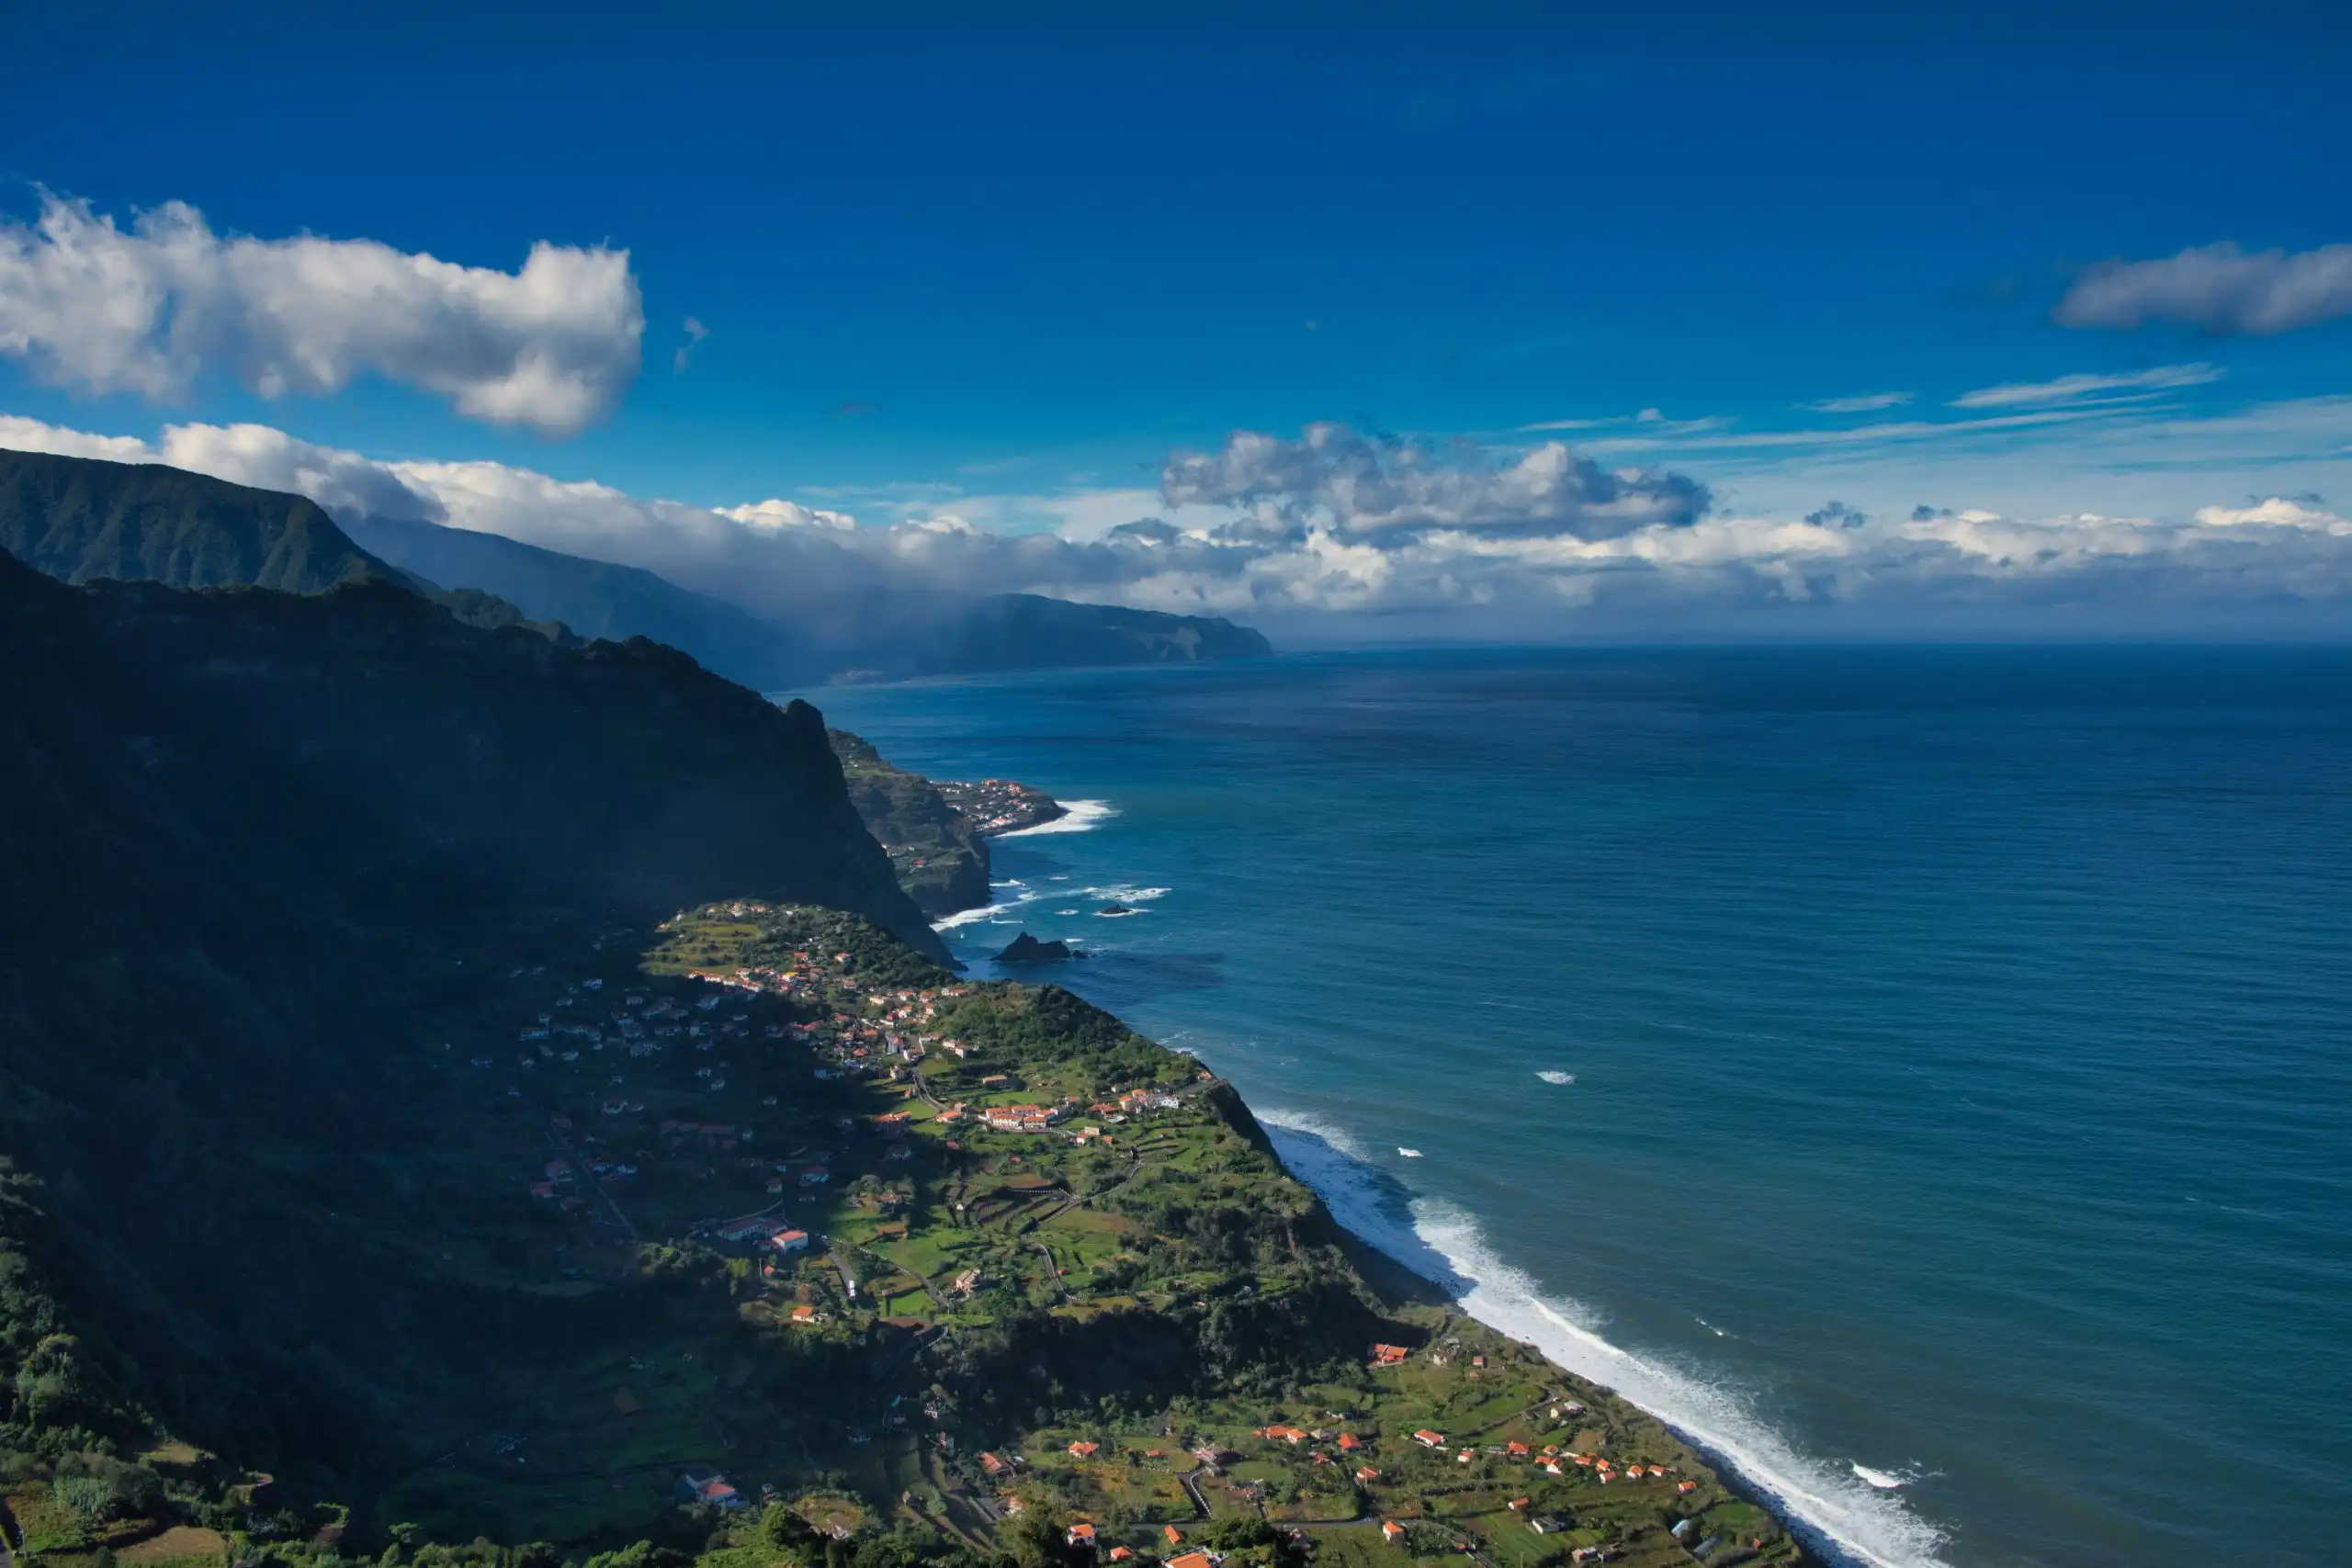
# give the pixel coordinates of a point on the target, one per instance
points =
(876, 1162)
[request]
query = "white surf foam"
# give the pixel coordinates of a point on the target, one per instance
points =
(972, 916)
(1868, 1524)
(1007, 897)
(1408, 1154)
(1082, 816)
(1557, 1077)
(1879, 1478)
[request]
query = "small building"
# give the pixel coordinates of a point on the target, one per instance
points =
(1430, 1439)
(1081, 1535)
(1389, 1530)
(1083, 1449)
(1388, 1355)
(1547, 1524)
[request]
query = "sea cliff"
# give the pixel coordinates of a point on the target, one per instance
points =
(937, 833)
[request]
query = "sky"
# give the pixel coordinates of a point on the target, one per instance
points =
(1355, 322)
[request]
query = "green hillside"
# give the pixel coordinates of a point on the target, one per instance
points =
(413, 1033)
(82, 519)
(79, 519)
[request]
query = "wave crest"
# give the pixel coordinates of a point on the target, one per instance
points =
(1443, 1244)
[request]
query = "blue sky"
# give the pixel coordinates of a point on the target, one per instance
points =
(995, 265)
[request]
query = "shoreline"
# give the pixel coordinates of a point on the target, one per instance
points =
(1376, 1210)
(1502, 1298)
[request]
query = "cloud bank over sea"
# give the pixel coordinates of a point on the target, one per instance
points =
(1335, 536)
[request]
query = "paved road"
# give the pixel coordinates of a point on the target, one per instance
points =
(587, 1181)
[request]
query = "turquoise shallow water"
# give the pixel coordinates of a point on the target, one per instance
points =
(1958, 1044)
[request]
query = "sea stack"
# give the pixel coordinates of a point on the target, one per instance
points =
(1027, 949)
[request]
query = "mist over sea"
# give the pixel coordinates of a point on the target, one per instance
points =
(1928, 1063)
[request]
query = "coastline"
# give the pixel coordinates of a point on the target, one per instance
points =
(1442, 1248)
(1377, 1210)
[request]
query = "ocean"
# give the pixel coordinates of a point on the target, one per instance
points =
(1922, 1075)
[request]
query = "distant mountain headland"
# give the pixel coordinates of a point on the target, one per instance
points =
(82, 519)
(866, 633)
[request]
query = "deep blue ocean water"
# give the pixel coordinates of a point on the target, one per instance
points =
(1949, 1050)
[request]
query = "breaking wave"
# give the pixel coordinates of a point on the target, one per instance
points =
(1080, 816)
(1862, 1521)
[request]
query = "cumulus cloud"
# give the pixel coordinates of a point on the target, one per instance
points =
(20, 435)
(2274, 511)
(2072, 389)
(786, 514)
(2218, 288)
(1355, 486)
(1302, 535)
(152, 309)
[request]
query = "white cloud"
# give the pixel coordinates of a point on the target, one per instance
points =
(2276, 512)
(2218, 288)
(268, 458)
(1300, 536)
(1866, 402)
(20, 435)
(1333, 476)
(2072, 389)
(786, 514)
(152, 309)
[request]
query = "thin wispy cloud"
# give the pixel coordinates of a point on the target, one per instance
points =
(157, 309)
(1838, 435)
(1868, 402)
(2071, 389)
(2218, 288)
(1651, 420)
(695, 332)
